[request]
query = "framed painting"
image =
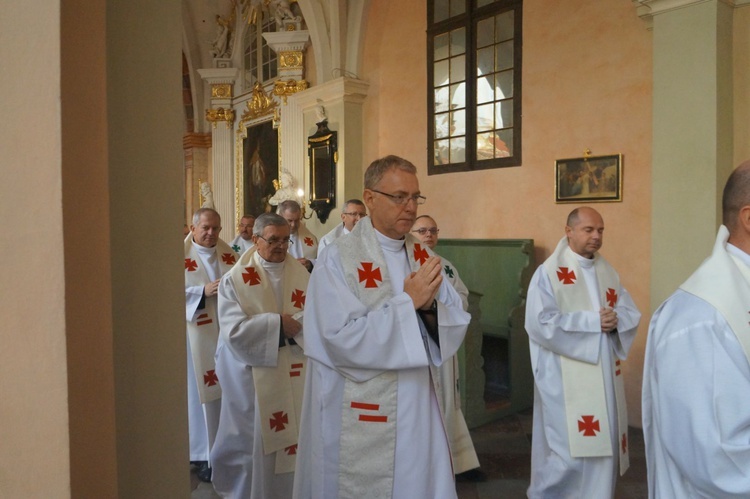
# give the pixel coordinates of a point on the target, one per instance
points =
(592, 179)
(257, 168)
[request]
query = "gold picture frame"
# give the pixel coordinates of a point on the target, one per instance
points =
(591, 179)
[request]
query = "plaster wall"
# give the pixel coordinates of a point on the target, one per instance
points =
(741, 85)
(587, 72)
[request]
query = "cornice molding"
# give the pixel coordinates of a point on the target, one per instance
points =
(647, 9)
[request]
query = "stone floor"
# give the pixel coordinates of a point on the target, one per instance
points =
(504, 449)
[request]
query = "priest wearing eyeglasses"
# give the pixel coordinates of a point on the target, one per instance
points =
(380, 319)
(354, 211)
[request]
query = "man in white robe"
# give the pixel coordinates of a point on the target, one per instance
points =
(244, 239)
(354, 210)
(303, 244)
(579, 320)
(379, 320)
(260, 308)
(465, 460)
(696, 380)
(207, 258)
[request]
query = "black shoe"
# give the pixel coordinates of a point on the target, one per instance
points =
(204, 472)
(475, 475)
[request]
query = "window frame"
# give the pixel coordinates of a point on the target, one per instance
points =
(265, 23)
(469, 21)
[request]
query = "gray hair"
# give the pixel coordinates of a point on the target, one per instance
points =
(736, 195)
(197, 215)
(288, 205)
(266, 220)
(379, 167)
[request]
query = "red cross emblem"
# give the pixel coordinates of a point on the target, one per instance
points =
(210, 378)
(291, 450)
(296, 371)
(298, 298)
(624, 443)
(617, 365)
(588, 426)
(611, 297)
(309, 241)
(420, 254)
(191, 265)
(203, 319)
(369, 418)
(566, 276)
(251, 276)
(228, 258)
(279, 421)
(368, 275)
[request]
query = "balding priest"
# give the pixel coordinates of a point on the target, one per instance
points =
(353, 211)
(696, 380)
(379, 321)
(581, 324)
(303, 244)
(207, 258)
(260, 362)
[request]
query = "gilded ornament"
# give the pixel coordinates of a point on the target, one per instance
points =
(290, 59)
(220, 114)
(289, 87)
(221, 91)
(260, 104)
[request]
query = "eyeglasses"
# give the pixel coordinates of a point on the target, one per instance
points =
(425, 230)
(400, 199)
(276, 242)
(355, 214)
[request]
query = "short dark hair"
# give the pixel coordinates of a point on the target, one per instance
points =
(378, 168)
(736, 195)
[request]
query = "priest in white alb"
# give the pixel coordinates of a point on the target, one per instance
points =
(696, 380)
(207, 258)
(581, 324)
(379, 321)
(303, 244)
(244, 239)
(262, 367)
(352, 212)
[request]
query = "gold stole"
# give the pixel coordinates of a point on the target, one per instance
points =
(583, 383)
(203, 331)
(279, 389)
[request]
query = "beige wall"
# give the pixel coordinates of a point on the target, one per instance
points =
(741, 85)
(586, 84)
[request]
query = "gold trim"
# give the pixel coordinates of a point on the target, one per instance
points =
(260, 104)
(289, 87)
(291, 59)
(220, 114)
(320, 139)
(221, 91)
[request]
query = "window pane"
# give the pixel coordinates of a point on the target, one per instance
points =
(441, 73)
(484, 90)
(485, 117)
(485, 32)
(440, 10)
(442, 125)
(504, 24)
(458, 123)
(458, 150)
(504, 143)
(441, 46)
(458, 7)
(504, 114)
(485, 61)
(458, 96)
(442, 152)
(504, 85)
(442, 100)
(458, 69)
(504, 56)
(458, 41)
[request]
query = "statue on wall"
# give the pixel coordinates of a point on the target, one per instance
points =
(285, 189)
(207, 196)
(221, 45)
(281, 10)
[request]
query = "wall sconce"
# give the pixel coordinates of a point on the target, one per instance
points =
(322, 151)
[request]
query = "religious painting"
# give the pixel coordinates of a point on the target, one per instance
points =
(591, 179)
(260, 167)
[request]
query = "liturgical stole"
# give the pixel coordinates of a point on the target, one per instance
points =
(278, 388)
(309, 242)
(583, 383)
(203, 329)
(369, 415)
(723, 280)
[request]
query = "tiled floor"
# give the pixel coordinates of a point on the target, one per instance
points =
(504, 449)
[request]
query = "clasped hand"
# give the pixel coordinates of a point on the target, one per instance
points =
(608, 318)
(423, 285)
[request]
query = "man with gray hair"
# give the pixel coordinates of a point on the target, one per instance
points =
(696, 379)
(380, 319)
(207, 258)
(262, 367)
(303, 245)
(353, 211)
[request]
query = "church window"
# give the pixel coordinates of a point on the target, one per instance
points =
(474, 84)
(259, 59)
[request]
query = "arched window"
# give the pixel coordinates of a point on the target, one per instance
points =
(474, 84)
(259, 60)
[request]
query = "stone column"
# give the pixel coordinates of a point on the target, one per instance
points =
(221, 117)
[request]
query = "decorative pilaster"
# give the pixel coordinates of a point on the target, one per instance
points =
(290, 47)
(221, 117)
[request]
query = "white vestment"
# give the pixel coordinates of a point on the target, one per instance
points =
(346, 340)
(576, 335)
(336, 233)
(241, 468)
(696, 398)
(240, 245)
(303, 244)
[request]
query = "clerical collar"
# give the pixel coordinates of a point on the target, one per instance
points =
(270, 266)
(734, 250)
(204, 250)
(388, 244)
(585, 262)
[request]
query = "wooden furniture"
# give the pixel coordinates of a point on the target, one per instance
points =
(495, 369)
